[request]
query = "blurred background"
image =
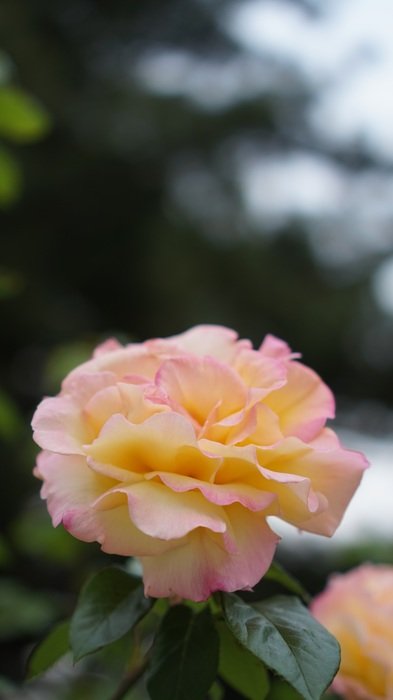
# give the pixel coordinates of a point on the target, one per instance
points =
(166, 163)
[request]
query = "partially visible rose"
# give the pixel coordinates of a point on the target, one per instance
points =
(357, 608)
(176, 450)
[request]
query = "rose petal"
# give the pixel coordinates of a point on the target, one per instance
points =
(323, 470)
(71, 489)
(59, 425)
(261, 372)
(303, 404)
(276, 348)
(203, 565)
(215, 341)
(165, 441)
(160, 512)
(220, 494)
(201, 385)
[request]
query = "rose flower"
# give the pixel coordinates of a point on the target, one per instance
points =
(357, 608)
(176, 450)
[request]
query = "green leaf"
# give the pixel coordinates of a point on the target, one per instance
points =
(110, 604)
(50, 650)
(22, 118)
(277, 573)
(240, 668)
(281, 632)
(185, 656)
(216, 692)
(280, 690)
(10, 178)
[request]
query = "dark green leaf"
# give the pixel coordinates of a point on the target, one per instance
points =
(110, 604)
(281, 632)
(22, 118)
(280, 690)
(185, 656)
(240, 668)
(277, 573)
(50, 650)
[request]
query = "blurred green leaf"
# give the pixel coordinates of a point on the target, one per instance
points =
(34, 536)
(49, 650)
(22, 118)
(240, 668)
(216, 692)
(10, 178)
(184, 656)
(277, 573)
(11, 283)
(5, 554)
(286, 637)
(23, 611)
(62, 360)
(110, 604)
(11, 422)
(5, 68)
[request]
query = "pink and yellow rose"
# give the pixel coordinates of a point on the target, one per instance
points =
(176, 451)
(357, 608)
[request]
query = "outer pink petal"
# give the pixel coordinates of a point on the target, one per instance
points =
(276, 348)
(71, 489)
(59, 425)
(216, 341)
(261, 372)
(83, 385)
(220, 494)
(109, 345)
(134, 359)
(333, 476)
(202, 384)
(203, 565)
(160, 512)
(336, 475)
(303, 404)
(68, 483)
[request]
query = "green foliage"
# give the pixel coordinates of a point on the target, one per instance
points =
(278, 574)
(62, 360)
(11, 423)
(241, 669)
(184, 656)
(280, 690)
(34, 536)
(110, 604)
(50, 650)
(23, 611)
(22, 118)
(282, 634)
(10, 178)
(11, 284)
